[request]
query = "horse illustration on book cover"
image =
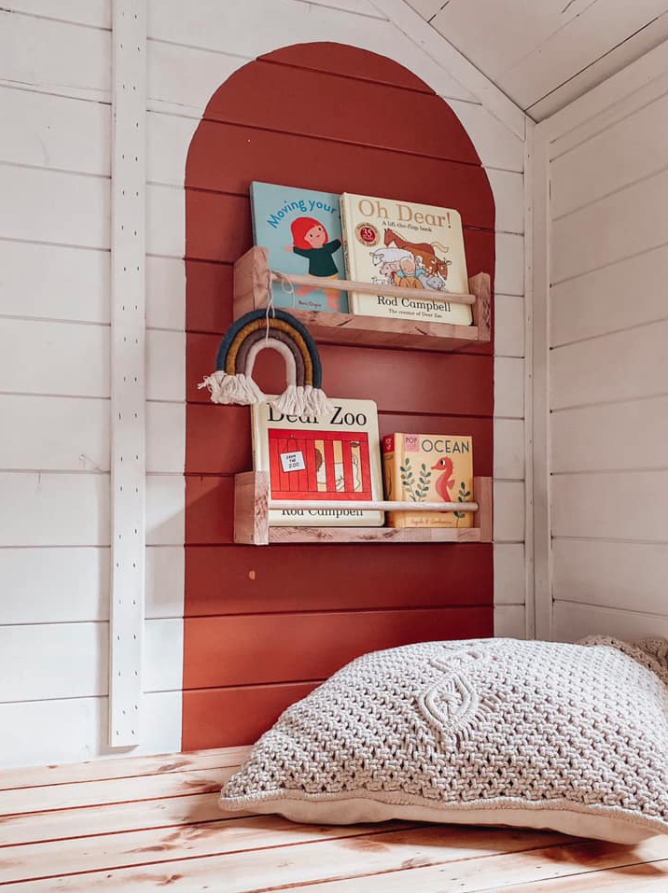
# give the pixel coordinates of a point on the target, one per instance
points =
(405, 245)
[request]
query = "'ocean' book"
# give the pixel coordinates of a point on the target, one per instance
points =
(301, 229)
(406, 245)
(428, 468)
(332, 458)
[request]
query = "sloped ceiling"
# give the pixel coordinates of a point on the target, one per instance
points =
(543, 54)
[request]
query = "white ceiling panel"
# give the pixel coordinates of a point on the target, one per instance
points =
(545, 53)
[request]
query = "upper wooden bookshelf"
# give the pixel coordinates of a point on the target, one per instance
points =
(253, 279)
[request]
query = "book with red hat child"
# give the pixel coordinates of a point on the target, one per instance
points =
(301, 228)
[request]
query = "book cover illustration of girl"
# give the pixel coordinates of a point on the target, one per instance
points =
(311, 241)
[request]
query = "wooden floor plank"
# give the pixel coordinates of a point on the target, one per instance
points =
(392, 853)
(42, 860)
(648, 877)
(84, 821)
(572, 863)
(155, 821)
(115, 790)
(98, 770)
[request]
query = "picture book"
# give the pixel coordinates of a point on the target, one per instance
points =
(405, 245)
(332, 458)
(428, 468)
(302, 231)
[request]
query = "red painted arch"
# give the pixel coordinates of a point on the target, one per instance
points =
(264, 625)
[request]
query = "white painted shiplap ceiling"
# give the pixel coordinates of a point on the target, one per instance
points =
(545, 53)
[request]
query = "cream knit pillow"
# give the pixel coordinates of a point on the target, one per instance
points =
(491, 732)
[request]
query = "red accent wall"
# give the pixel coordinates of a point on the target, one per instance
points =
(264, 625)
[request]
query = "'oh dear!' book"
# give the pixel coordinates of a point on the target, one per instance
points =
(332, 458)
(428, 468)
(406, 245)
(302, 230)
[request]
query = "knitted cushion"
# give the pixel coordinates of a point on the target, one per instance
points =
(572, 738)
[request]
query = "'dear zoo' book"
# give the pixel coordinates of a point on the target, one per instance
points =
(406, 245)
(428, 468)
(333, 458)
(302, 231)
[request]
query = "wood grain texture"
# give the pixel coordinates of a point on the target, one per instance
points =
(225, 580)
(227, 717)
(411, 388)
(278, 648)
(139, 824)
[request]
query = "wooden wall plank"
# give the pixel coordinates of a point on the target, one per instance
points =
(37, 433)
(509, 573)
(611, 437)
(54, 358)
(54, 585)
(165, 293)
(509, 461)
(611, 574)
(54, 282)
(55, 509)
(509, 325)
(509, 622)
(169, 137)
(75, 729)
(219, 438)
(73, 659)
(165, 571)
(165, 365)
(253, 30)
(84, 71)
(600, 165)
(620, 366)
(626, 223)
(164, 510)
(84, 12)
(50, 206)
(509, 387)
(413, 376)
(247, 580)
(78, 584)
(49, 131)
(509, 511)
(434, 133)
(267, 648)
(595, 505)
(165, 437)
(227, 717)
(573, 622)
(625, 294)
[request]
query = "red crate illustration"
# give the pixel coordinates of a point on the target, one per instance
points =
(319, 465)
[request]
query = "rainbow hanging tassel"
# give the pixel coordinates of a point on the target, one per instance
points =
(232, 382)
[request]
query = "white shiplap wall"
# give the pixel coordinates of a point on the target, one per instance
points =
(54, 340)
(54, 402)
(608, 367)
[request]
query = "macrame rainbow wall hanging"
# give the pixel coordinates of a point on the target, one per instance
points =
(232, 382)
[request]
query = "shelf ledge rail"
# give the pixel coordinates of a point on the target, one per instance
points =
(252, 502)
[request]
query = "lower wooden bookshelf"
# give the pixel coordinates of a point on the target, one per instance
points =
(251, 520)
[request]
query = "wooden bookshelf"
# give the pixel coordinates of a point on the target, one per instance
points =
(251, 519)
(253, 280)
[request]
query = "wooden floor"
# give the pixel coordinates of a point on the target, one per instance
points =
(152, 822)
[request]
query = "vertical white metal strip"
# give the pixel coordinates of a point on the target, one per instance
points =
(127, 371)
